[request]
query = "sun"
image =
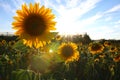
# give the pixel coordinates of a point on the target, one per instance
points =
(67, 26)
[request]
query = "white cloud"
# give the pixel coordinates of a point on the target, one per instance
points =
(117, 26)
(69, 13)
(117, 22)
(91, 20)
(37, 1)
(17, 3)
(74, 8)
(101, 32)
(58, 1)
(114, 9)
(72, 26)
(78, 9)
(108, 18)
(12, 7)
(72, 3)
(7, 7)
(106, 32)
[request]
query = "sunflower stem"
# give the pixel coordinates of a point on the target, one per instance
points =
(38, 51)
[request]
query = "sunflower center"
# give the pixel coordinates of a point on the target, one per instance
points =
(67, 51)
(34, 25)
(112, 48)
(96, 47)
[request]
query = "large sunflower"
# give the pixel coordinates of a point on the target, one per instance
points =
(95, 48)
(68, 52)
(33, 24)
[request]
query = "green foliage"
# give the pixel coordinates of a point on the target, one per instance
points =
(22, 74)
(20, 46)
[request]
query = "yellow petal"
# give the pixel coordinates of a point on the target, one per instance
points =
(25, 9)
(31, 9)
(36, 8)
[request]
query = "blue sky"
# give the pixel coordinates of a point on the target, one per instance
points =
(98, 18)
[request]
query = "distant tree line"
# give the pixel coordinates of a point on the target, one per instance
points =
(8, 38)
(85, 39)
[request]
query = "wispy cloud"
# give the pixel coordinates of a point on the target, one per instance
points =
(78, 9)
(91, 20)
(7, 7)
(73, 2)
(100, 32)
(58, 1)
(117, 22)
(114, 9)
(17, 3)
(108, 18)
(46, 3)
(70, 16)
(70, 12)
(71, 7)
(11, 8)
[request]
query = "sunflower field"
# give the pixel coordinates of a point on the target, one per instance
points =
(60, 60)
(36, 52)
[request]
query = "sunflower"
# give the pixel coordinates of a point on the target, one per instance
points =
(58, 37)
(102, 55)
(1, 44)
(96, 60)
(117, 58)
(80, 43)
(33, 25)
(4, 42)
(107, 44)
(68, 52)
(113, 49)
(11, 43)
(95, 48)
